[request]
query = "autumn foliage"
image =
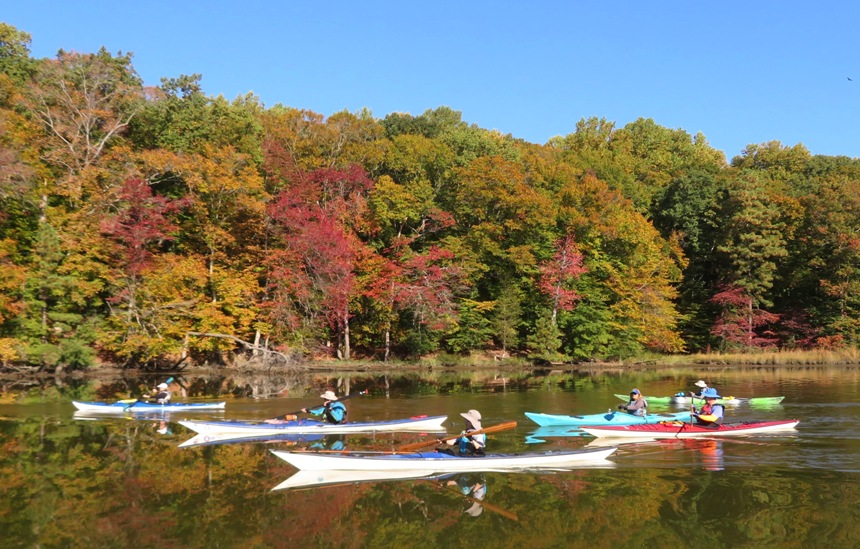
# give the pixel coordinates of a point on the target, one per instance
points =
(143, 224)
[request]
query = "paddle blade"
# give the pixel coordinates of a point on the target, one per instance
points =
(485, 431)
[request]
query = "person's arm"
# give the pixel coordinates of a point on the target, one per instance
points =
(478, 441)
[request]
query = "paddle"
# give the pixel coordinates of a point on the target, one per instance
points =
(486, 430)
(286, 416)
(170, 379)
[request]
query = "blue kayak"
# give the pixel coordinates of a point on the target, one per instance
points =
(609, 418)
(140, 407)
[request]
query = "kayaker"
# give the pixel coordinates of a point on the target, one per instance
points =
(161, 396)
(332, 410)
(710, 414)
(702, 386)
(469, 445)
(636, 405)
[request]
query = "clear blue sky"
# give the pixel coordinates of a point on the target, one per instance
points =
(740, 72)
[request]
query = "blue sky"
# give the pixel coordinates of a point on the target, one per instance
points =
(740, 72)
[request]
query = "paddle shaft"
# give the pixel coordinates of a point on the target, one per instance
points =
(170, 379)
(485, 431)
(341, 399)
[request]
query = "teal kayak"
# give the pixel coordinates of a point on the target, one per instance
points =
(609, 418)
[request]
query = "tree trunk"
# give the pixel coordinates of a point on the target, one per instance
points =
(346, 349)
(387, 344)
(256, 350)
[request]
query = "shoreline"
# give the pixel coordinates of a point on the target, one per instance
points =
(360, 367)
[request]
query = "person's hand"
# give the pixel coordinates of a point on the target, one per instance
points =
(620, 406)
(304, 410)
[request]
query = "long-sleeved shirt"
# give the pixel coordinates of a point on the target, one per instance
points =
(636, 406)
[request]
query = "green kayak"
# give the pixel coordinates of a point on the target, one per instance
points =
(684, 399)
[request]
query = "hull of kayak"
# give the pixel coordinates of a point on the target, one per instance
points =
(141, 407)
(729, 400)
(687, 430)
(237, 429)
(610, 418)
(442, 463)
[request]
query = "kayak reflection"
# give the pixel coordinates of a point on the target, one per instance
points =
(207, 439)
(470, 486)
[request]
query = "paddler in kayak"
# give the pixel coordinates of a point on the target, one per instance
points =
(702, 386)
(161, 396)
(332, 410)
(469, 445)
(636, 405)
(710, 414)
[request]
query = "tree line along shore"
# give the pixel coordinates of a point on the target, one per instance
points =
(154, 227)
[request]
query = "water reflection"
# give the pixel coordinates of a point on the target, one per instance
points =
(339, 477)
(162, 428)
(540, 434)
(473, 487)
(214, 439)
(62, 476)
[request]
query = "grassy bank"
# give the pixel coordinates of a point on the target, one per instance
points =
(774, 358)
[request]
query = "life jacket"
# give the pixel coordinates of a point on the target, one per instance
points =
(708, 409)
(329, 413)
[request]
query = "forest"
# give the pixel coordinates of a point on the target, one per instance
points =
(143, 225)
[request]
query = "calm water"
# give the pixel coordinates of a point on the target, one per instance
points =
(122, 482)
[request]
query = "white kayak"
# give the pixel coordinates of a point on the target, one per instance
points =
(423, 424)
(135, 407)
(439, 462)
(687, 430)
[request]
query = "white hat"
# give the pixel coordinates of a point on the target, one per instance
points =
(473, 417)
(475, 510)
(162, 385)
(701, 384)
(329, 395)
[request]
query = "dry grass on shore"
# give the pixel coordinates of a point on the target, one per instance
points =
(776, 358)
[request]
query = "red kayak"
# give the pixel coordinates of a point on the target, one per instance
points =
(670, 429)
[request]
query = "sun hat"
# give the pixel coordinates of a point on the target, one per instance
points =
(475, 510)
(162, 385)
(701, 384)
(710, 392)
(473, 417)
(329, 395)
(635, 392)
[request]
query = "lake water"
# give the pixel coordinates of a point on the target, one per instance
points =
(72, 481)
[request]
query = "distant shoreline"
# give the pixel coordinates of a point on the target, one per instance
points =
(842, 358)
